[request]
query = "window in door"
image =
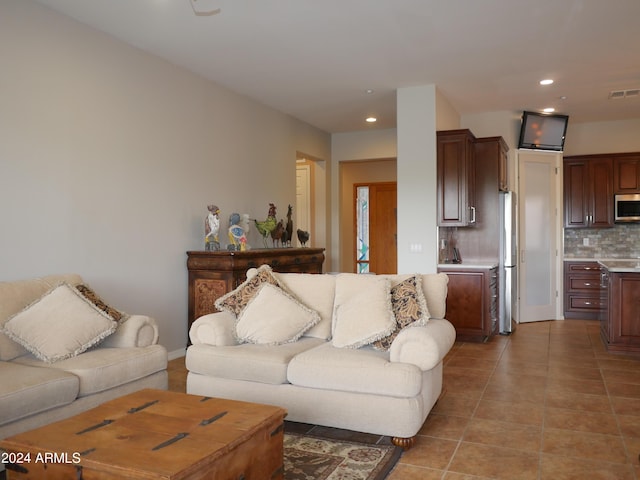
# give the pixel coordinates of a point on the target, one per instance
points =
(362, 230)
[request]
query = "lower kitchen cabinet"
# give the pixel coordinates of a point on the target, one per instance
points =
(472, 301)
(620, 316)
(582, 295)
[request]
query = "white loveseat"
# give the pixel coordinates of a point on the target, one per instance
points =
(35, 392)
(329, 373)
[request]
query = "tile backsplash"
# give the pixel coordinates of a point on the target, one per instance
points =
(621, 241)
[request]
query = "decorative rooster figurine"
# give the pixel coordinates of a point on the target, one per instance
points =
(267, 226)
(288, 229)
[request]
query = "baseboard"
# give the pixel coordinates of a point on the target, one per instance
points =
(177, 354)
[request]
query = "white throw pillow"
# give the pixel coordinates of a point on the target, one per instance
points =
(273, 317)
(61, 324)
(362, 312)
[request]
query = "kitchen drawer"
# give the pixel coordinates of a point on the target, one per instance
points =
(582, 267)
(588, 304)
(583, 283)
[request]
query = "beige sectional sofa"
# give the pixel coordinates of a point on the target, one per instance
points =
(358, 352)
(63, 382)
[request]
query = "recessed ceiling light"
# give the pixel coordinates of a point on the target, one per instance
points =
(549, 110)
(371, 119)
(546, 81)
(369, 91)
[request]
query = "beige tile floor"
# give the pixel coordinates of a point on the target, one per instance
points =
(546, 403)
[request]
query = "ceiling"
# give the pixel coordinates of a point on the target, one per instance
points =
(315, 60)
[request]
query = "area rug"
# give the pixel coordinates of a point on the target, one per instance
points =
(308, 457)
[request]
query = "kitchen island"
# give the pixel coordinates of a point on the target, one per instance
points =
(620, 313)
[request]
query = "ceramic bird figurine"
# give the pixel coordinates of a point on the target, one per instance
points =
(238, 229)
(267, 226)
(212, 228)
(303, 237)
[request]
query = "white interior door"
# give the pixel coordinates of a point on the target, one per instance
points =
(303, 201)
(539, 191)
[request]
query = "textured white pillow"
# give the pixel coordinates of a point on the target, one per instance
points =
(362, 312)
(273, 317)
(61, 324)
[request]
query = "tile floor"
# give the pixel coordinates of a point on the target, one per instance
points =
(546, 403)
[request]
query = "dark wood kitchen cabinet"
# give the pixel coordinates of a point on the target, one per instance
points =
(456, 178)
(583, 297)
(626, 173)
(472, 302)
(620, 316)
(588, 192)
(493, 149)
(212, 274)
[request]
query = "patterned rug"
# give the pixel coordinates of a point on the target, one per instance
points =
(307, 457)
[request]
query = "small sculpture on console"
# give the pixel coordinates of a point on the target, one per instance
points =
(277, 234)
(212, 228)
(265, 227)
(238, 229)
(287, 235)
(303, 237)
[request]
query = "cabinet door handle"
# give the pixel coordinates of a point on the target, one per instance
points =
(587, 284)
(473, 215)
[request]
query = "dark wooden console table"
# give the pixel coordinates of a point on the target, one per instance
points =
(212, 274)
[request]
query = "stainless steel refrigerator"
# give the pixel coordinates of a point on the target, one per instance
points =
(507, 277)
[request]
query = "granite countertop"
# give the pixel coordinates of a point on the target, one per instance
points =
(469, 265)
(621, 265)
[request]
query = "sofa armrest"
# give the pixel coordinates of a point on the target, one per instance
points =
(423, 346)
(218, 329)
(137, 331)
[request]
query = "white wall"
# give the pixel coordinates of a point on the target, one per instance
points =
(417, 217)
(109, 156)
(603, 137)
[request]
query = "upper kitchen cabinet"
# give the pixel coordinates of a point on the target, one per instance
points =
(588, 192)
(456, 178)
(626, 173)
(494, 149)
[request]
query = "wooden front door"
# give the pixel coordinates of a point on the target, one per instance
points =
(381, 228)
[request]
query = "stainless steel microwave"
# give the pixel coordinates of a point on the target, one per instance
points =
(627, 207)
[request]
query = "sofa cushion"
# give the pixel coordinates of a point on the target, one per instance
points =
(362, 311)
(255, 363)
(29, 390)
(409, 308)
(237, 299)
(103, 368)
(365, 370)
(316, 292)
(434, 287)
(60, 324)
(15, 296)
(273, 317)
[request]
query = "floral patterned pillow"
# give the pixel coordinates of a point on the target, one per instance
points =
(237, 300)
(409, 307)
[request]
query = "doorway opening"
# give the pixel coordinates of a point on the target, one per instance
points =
(354, 173)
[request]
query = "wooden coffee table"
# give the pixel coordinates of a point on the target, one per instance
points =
(154, 434)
